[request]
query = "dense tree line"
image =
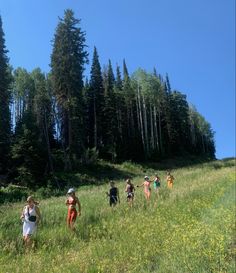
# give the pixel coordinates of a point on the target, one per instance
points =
(57, 121)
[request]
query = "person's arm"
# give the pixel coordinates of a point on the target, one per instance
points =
(118, 195)
(22, 214)
(38, 214)
(79, 207)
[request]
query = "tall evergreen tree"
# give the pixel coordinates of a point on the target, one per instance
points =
(95, 103)
(120, 114)
(5, 117)
(28, 153)
(43, 113)
(110, 121)
(67, 61)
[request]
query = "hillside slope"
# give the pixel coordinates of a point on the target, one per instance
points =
(187, 229)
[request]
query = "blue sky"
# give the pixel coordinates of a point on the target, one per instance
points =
(193, 41)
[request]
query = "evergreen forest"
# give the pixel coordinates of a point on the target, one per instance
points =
(62, 120)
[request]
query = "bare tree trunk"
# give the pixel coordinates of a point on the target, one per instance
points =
(137, 110)
(141, 120)
(145, 126)
(152, 129)
(132, 120)
(155, 129)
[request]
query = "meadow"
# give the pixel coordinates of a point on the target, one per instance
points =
(188, 229)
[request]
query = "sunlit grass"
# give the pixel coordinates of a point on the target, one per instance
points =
(188, 229)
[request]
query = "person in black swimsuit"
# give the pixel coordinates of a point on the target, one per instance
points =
(113, 194)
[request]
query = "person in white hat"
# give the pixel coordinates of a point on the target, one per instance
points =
(71, 202)
(147, 187)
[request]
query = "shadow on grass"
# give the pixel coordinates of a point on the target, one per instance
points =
(177, 162)
(93, 175)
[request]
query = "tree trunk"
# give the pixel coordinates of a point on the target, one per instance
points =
(152, 129)
(141, 120)
(155, 129)
(46, 135)
(145, 126)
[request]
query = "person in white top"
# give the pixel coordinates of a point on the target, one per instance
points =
(30, 217)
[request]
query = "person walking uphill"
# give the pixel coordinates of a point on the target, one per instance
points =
(170, 180)
(113, 194)
(147, 187)
(129, 189)
(157, 184)
(30, 217)
(71, 202)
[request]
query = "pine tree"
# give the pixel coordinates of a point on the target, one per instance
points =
(28, 153)
(43, 113)
(5, 117)
(120, 114)
(110, 118)
(95, 103)
(67, 61)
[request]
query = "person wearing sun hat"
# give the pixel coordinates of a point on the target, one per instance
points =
(147, 187)
(71, 202)
(30, 217)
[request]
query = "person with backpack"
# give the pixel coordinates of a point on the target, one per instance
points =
(129, 189)
(71, 202)
(30, 217)
(113, 194)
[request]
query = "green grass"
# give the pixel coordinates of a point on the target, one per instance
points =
(188, 229)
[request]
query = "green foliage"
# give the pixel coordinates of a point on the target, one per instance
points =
(112, 117)
(90, 156)
(13, 194)
(5, 96)
(95, 104)
(67, 62)
(28, 153)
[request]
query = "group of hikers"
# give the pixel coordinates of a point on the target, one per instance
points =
(31, 213)
(130, 189)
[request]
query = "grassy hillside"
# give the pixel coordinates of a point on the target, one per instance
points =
(188, 229)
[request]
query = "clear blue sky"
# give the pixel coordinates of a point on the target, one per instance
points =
(192, 40)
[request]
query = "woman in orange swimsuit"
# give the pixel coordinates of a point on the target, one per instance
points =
(147, 187)
(71, 202)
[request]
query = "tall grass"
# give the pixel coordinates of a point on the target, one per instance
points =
(188, 229)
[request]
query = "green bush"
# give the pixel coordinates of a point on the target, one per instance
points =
(13, 194)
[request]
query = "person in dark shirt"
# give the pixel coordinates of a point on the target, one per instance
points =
(113, 194)
(129, 189)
